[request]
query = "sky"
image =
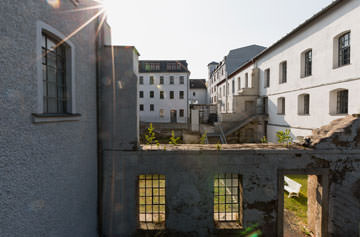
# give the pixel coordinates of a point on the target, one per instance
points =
(202, 31)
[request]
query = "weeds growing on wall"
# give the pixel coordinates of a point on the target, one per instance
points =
(284, 137)
(174, 140)
(150, 136)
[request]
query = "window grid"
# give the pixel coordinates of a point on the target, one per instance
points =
(152, 199)
(342, 102)
(344, 49)
(55, 95)
(181, 80)
(227, 198)
(267, 78)
(181, 95)
(306, 104)
(308, 63)
(283, 78)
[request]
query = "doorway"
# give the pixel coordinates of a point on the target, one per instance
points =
(173, 116)
(303, 202)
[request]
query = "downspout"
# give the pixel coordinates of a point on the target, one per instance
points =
(98, 47)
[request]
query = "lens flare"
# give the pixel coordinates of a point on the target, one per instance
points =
(54, 3)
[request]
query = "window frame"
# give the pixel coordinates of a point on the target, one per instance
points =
(341, 50)
(281, 105)
(267, 78)
(283, 72)
(39, 115)
(141, 94)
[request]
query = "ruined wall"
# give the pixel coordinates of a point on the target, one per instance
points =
(250, 133)
(189, 194)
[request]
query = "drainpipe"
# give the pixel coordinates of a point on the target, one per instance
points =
(99, 42)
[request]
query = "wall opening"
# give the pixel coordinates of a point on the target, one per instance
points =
(151, 202)
(228, 201)
(303, 203)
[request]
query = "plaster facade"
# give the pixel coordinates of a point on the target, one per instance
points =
(48, 168)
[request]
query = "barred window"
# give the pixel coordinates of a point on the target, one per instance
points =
(161, 80)
(342, 102)
(308, 63)
(152, 213)
(228, 201)
(181, 80)
(267, 78)
(344, 49)
(283, 72)
(56, 96)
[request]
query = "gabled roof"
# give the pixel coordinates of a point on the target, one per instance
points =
(238, 57)
(197, 84)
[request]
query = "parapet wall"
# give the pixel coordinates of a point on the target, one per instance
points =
(190, 172)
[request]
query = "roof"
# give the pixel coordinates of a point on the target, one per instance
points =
(213, 63)
(144, 66)
(198, 84)
(238, 57)
(292, 33)
(302, 26)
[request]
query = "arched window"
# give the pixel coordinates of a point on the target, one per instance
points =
(306, 63)
(304, 104)
(339, 100)
(281, 106)
(342, 49)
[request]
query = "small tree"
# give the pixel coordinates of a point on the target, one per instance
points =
(264, 139)
(150, 136)
(203, 138)
(174, 140)
(218, 146)
(284, 137)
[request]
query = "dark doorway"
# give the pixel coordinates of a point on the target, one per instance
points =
(173, 116)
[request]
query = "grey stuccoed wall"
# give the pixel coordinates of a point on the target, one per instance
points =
(48, 171)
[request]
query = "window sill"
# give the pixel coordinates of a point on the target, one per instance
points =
(280, 114)
(228, 225)
(304, 114)
(55, 118)
(335, 114)
(303, 77)
(342, 66)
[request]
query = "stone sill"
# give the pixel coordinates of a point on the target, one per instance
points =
(55, 118)
(224, 147)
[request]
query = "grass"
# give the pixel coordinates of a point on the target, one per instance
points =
(298, 205)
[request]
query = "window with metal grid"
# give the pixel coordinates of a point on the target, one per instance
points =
(344, 49)
(308, 63)
(152, 214)
(283, 72)
(342, 102)
(55, 89)
(227, 201)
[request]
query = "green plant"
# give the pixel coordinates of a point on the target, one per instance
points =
(203, 138)
(284, 137)
(150, 136)
(264, 139)
(218, 146)
(174, 140)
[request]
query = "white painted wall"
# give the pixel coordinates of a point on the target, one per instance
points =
(325, 78)
(166, 104)
(198, 96)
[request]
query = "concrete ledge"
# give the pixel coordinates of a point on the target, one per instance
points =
(55, 118)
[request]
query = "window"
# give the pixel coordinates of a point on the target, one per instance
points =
(304, 104)
(173, 66)
(239, 83)
(141, 80)
(194, 93)
(246, 80)
(342, 102)
(152, 107)
(181, 113)
(281, 106)
(141, 94)
(161, 80)
(228, 201)
(162, 113)
(267, 78)
(152, 66)
(181, 95)
(171, 80)
(171, 95)
(233, 86)
(141, 107)
(344, 50)
(181, 80)
(283, 72)
(151, 80)
(308, 63)
(223, 90)
(152, 214)
(151, 94)
(162, 95)
(56, 86)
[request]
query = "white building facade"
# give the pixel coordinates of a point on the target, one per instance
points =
(312, 75)
(163, 91)
(198, 92)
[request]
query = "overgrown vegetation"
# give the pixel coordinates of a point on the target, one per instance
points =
(150, 136)
(264, 139)
(218, 146)
(174, 140)
(284, 137)
(203, 138)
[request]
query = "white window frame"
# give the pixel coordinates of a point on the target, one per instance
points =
(42, 27)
